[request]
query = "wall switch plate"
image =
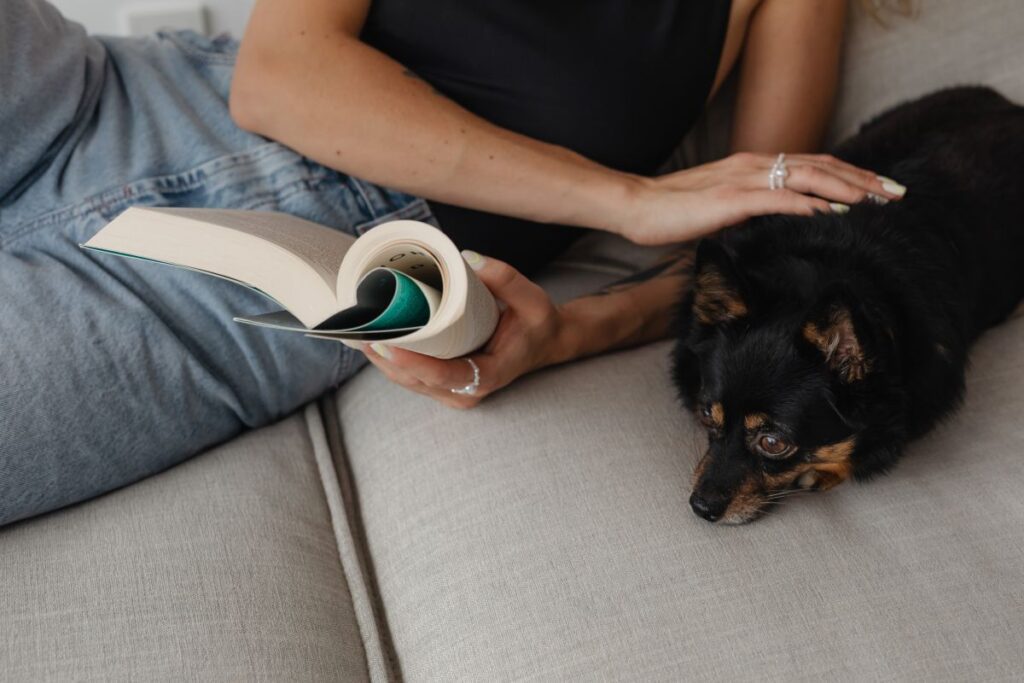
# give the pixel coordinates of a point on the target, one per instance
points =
(146, 19)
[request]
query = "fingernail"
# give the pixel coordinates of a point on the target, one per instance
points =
(877, 199)
(475, 260)
(381, 350)
(839, 208)
(891, 186)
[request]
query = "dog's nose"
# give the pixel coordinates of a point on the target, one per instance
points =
(711, 510)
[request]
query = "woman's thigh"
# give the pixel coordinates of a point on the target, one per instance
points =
(113, 369)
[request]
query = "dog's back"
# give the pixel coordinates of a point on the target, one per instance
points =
(962, 151)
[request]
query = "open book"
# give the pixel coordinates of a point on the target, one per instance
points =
(404, 281)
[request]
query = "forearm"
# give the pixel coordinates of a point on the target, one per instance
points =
(343, 103)
(634, 311)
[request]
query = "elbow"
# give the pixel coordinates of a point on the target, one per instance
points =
(250, 100)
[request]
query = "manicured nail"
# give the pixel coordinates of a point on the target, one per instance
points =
(381, 350)
(877, 199)
(839, 208)
(475, 260)
(891, 186)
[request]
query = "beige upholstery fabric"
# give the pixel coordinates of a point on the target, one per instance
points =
(945, 43)
(546, 535)
(225, 568)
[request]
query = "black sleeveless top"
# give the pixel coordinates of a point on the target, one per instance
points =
(618, 81)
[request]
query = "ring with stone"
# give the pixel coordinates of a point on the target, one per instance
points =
(778, 173)
(470, 389)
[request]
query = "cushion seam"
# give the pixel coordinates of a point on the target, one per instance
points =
(377, 663)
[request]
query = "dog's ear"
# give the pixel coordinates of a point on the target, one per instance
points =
(717, 289)
(837, 328)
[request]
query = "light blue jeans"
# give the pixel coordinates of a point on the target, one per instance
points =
(113, 369)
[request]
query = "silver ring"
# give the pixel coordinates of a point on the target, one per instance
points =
(470, 389)
(778, 174)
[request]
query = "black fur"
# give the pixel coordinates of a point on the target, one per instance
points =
(894, 294)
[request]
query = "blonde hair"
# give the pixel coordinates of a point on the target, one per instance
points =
(876, 8)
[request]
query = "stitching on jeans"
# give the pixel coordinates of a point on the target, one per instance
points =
(202, 54)
(171, 183)
(361, 196)
(417, 209)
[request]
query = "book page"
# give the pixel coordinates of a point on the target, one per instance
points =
(322, 248)
(291, 260)
(467, 314)
(468, 332)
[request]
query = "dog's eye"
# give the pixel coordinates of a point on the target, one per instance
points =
(707, 417)
(772, 446)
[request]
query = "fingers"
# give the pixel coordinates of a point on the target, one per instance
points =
(434, 373)
(429, 376)
(819, 174)
(762, 202)
(507, 284)
(815, 180)
(521, 343)
(392, 372)
(870, 182)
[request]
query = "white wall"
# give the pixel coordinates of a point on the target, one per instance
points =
(106, 16)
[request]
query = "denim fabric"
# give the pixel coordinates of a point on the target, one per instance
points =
(114, 369)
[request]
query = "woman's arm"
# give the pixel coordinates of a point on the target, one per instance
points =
(304, 78)
(534, 333)
(795, 46)
(789, 70)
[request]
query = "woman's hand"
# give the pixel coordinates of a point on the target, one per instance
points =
(689, 204)
(528, 337)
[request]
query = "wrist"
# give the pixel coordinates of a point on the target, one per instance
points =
(592, 325)
(568, 339)
(607, 200)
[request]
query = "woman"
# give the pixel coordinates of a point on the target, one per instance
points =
(524, 116)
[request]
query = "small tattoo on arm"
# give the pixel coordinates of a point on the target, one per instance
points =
(676, 263)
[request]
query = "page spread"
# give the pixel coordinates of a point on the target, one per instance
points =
(403, 281)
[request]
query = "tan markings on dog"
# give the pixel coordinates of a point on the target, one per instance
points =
(840, 346)
(746, 504)
(807, 479)
(836, 452)
(777, 482)
(718, 415)
(832, 463)
(716, 300)
(755, 421)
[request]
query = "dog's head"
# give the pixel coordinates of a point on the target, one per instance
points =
(768, 376)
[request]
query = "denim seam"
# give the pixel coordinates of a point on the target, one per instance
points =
(367, 205)
(172, 183)
(199, 54)
(418, 209)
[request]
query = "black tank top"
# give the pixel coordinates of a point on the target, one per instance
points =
(618, 81)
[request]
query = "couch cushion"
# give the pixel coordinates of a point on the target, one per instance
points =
(224, 568)
(943, 43)
(547, 535)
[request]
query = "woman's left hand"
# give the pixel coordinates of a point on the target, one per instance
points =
(529, 336)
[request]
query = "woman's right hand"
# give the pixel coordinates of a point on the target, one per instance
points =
(689, 204)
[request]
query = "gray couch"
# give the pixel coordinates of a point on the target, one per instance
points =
(546, 535)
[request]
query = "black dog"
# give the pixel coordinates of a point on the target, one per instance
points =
(813, 349)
